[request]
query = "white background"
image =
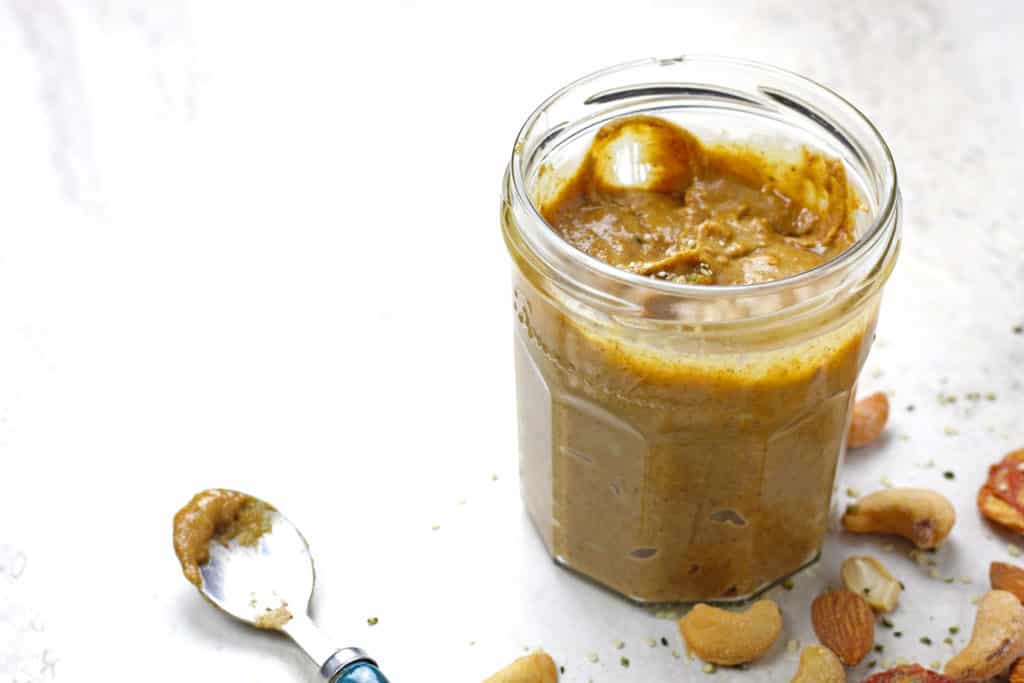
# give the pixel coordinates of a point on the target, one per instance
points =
(255, 245)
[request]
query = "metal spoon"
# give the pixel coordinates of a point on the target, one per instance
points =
(263, 584)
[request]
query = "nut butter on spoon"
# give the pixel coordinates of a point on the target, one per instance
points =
(246, 558)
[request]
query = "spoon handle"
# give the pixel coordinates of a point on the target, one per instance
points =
(360, 672)
(344, 665)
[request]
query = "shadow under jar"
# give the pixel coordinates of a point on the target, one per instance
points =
(680, 442)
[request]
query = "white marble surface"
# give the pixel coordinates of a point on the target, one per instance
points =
(185, 186)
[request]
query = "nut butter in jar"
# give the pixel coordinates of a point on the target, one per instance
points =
(699, 248)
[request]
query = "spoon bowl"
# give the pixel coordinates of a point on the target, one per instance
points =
(264, 584)
(266, 581)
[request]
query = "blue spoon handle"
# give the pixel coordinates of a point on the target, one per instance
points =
(360, 672)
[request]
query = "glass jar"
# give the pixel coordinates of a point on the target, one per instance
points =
(680, 442)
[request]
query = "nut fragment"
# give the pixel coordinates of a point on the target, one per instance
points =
(1001, 497)
(533, 668)
(730, 638)
(819, 665)
(1007, 577)
(922, 516)
(868, 577)
(845, 624)
(869, 417)
(913, 673)
(996, 641)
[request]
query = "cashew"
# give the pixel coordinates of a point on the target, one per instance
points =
(819, 664)
(534, 668)
(921, 516)
(1017, 672)
(869, 578)
(869, 417)
(730, 638)
(996, 641)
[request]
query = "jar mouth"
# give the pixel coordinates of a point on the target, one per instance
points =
(883, 222)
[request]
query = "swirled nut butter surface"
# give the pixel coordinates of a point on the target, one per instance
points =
(217, 516)
(712, 216)
(680, 463)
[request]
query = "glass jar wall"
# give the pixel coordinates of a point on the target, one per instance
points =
(680, 442)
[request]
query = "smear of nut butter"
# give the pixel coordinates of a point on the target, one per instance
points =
(652, 199)
(217, 515)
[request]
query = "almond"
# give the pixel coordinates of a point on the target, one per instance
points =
(1006, 577)
(844, 624)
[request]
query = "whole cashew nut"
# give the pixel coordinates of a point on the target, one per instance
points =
(730, 638)
(869, 417)
(922, 516)
(819, 664)
(997, 639)
(534, 668)
(1017, 672)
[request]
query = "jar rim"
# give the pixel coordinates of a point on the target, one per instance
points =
(885, 216)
